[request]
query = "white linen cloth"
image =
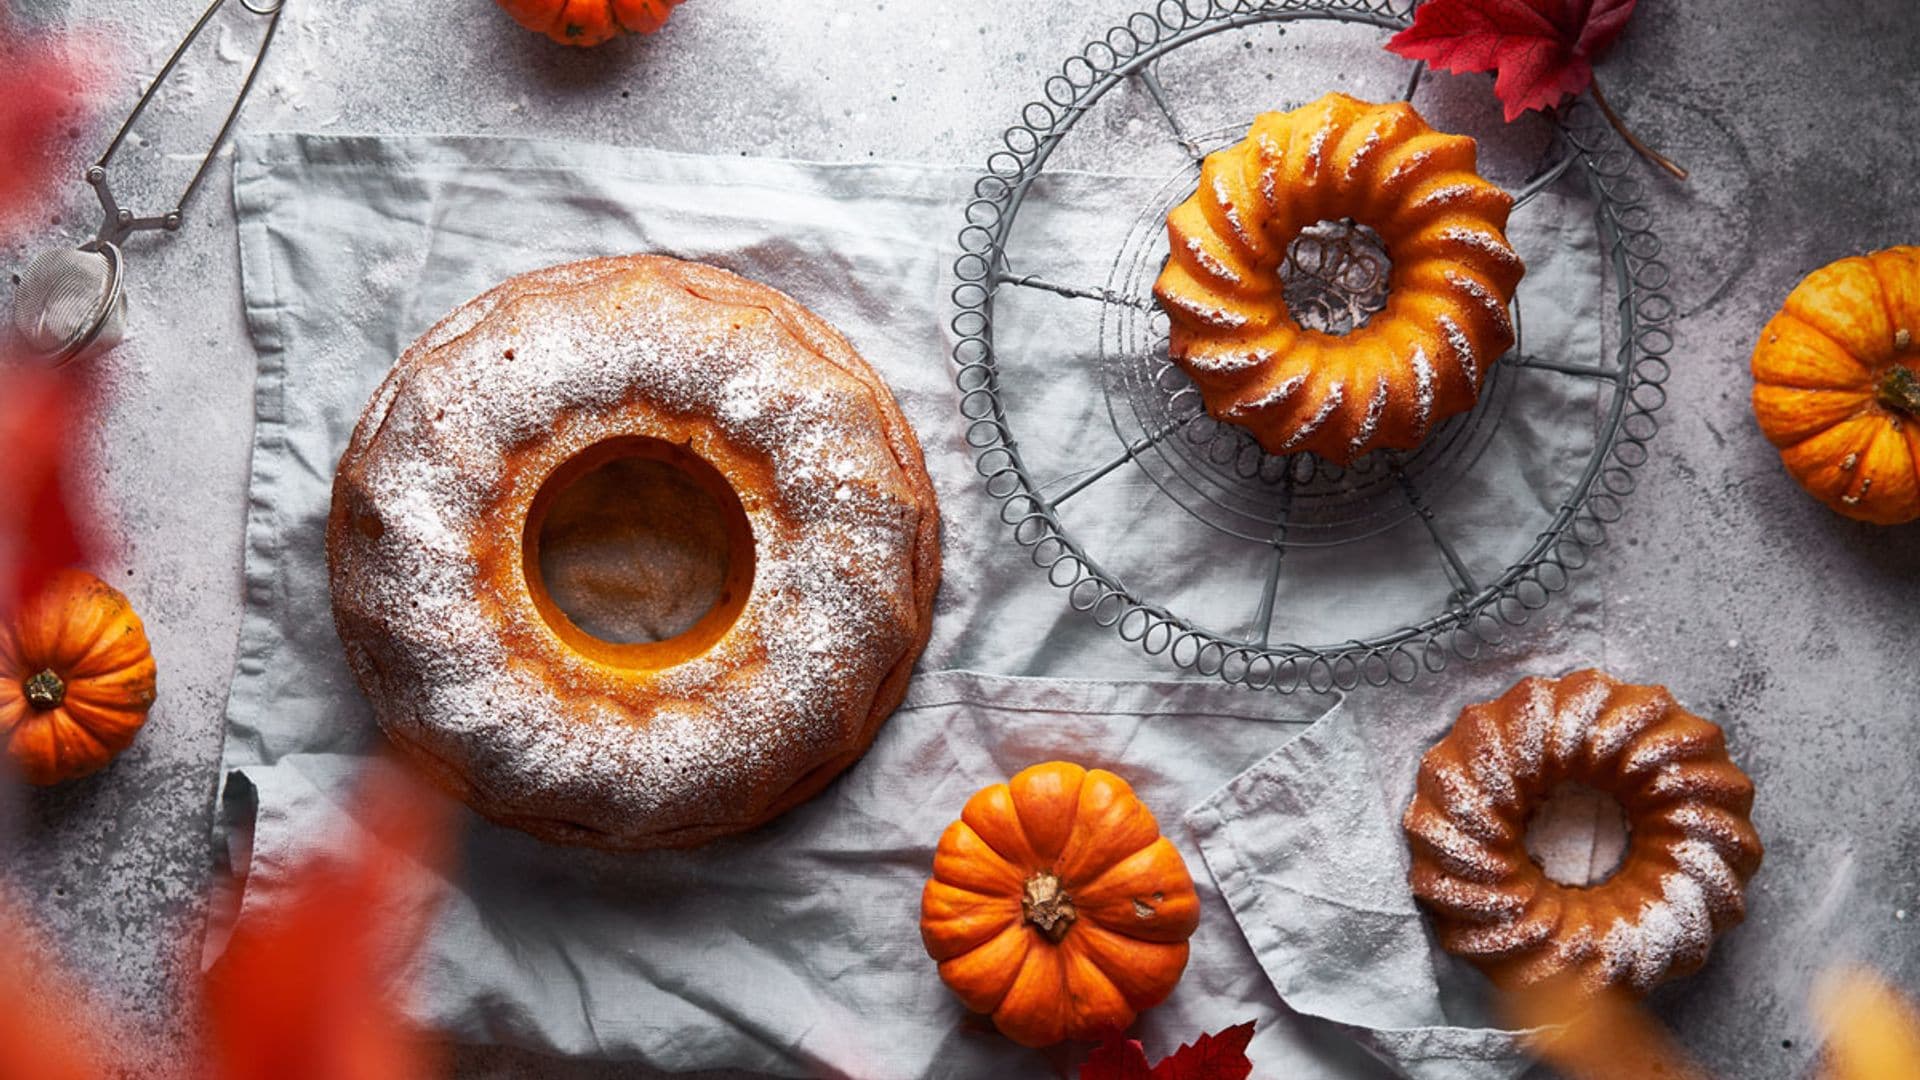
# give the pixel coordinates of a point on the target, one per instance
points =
(794, 949)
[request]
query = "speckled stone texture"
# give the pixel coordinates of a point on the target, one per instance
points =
(1763, 611)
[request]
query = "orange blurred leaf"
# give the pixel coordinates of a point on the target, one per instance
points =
(1873, 1033)
(1604, 1036)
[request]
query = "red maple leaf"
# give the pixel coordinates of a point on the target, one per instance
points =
(1541, 51)
(1219, 1056)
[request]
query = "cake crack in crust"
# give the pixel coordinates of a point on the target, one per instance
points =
(1690, 853)
(576, 741)
(1453, 275)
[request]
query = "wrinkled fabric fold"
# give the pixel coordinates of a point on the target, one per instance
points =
(1318, 887)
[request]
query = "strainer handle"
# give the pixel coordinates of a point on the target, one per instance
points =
(121, 221)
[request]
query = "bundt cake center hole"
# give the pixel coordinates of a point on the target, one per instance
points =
(1335, 276)
(636, 542)
(1578, 835)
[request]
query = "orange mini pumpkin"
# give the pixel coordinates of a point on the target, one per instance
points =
(589, 22)
(1837, 385)
(76, 678)
(1057, 907)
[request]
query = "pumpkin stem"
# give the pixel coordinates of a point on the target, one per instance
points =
(1900, 390)
(45, 690)
(1047, 908)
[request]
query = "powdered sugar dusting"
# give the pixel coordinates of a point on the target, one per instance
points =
(1376, 407)
(1462, 349)
(1223, 195)
(1225, 252)
(1623, 723)
(1228, 361)
(1211, 263)
(1267, 160)
(1492, 904)
(1715, 876)
(1335, 394)
(1493, 305)
(1575, 718)
(1458, 853)
(1365, 150)
(1316, 147)
(427, 546)
(1422, 389)
(1198, 307)
(1269, 398)
(1467, 806)
(1484, 247)
(1675, 929)
(1699, 819)
(1448, 194)
(1410, 167)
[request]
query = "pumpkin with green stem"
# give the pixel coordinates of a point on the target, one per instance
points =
(1056, 906)
(1837, 385)
(76, 678)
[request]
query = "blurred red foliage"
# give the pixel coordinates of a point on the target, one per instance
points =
(304, 991)
(39, 87)
(47, 524)
(44, 525)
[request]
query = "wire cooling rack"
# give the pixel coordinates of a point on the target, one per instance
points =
(1215, 471)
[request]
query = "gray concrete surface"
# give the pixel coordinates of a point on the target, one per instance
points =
(1762, 609)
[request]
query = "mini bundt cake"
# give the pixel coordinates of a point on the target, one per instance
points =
(1690, 850)
(807, 479)
(1386, 383)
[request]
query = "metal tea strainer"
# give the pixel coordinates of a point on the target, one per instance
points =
(70, 301)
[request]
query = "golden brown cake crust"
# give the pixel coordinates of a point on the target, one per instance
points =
(1383, 385)
(468, 678)
(1690, 852)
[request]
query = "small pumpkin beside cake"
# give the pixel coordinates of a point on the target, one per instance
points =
(77, 678)
(1056, 907)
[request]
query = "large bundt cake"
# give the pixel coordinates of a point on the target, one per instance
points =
(1383, 384)
(1689, 854)
(770, 446)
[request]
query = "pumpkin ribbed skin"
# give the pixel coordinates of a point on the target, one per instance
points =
(1057, 907)
(589, 22)
(76, 678)
(1837, 385)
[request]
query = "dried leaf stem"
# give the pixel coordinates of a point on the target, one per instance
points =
(1633, 140)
